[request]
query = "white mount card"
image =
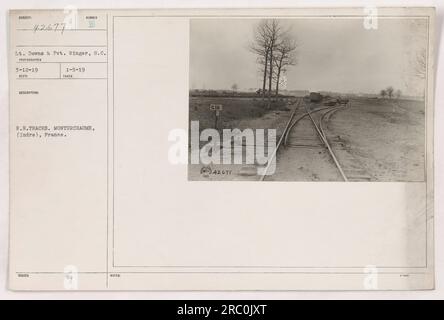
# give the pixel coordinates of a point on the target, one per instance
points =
(211, 149)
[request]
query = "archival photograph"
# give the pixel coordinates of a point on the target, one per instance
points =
(336, 99)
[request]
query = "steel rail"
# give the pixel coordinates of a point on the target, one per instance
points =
(329, 113)
(273, 155)
(324, 139)
(297, 120)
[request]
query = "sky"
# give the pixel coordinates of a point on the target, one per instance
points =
(337, 55)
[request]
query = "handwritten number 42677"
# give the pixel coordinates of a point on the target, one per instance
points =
(60, 27)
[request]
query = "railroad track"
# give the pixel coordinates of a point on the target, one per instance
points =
(280, 142)
(351, 171)
(352, 168)
(321, 133)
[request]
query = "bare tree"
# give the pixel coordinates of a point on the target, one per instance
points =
(383, 93)
(234, 87)
(284, 57)
(275, 51)
(274, 33)
(421, 64)
(398, 94)
(261, 47)
(389, 91)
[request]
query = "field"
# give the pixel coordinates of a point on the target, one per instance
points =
(238, 113)
(373, 139)
(386, 136)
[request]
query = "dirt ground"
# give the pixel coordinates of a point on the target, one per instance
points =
(386, 137)
(373, 139)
